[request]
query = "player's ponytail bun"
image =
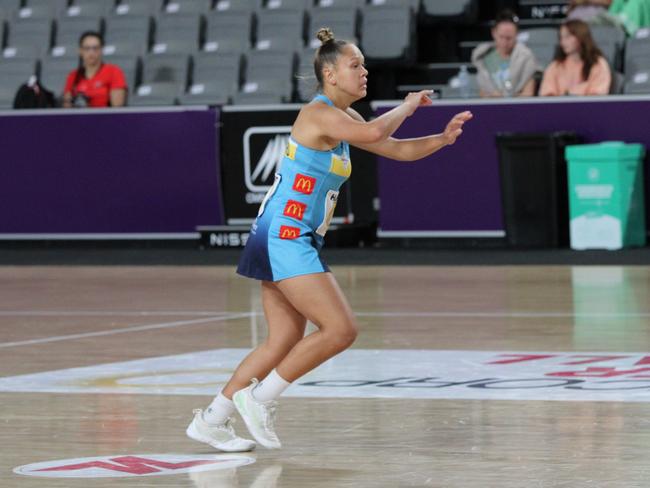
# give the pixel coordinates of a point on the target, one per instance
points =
(325, 35)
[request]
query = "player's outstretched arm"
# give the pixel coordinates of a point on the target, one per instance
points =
(336, 124)
(419, 147)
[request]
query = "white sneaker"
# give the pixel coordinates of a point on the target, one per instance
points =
(258, 416)
(221, 437)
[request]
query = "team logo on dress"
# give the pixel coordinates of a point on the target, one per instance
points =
(304, 184)
(340, 165)
(295, 209)
(288, 232)
(290, 152)
(134, 465)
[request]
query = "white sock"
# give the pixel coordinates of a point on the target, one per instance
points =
(219, 410)
(270, 388)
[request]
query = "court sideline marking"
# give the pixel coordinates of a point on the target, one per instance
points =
(138, 328)
(223, 316)
(99, 313)
(144, 313)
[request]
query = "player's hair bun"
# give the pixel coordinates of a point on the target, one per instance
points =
(325, 35)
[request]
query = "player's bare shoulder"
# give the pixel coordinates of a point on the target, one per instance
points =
(317, 109)
(316, 114)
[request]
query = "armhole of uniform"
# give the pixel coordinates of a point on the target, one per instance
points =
(269, 194)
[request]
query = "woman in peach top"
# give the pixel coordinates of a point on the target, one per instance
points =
(579, 67)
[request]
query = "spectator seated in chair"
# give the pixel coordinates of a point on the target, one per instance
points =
(94, 83)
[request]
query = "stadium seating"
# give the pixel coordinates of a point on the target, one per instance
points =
(155, 93)
(139, 7)
(305, 77)
(22, 51)
(130, 65)
(357, 4)
(278, 23)
(186, 7)
(167, 68)
(637, 74)
(251, 51)
(180, 27)
(414, 5)
(224, 67)
(342, 20)
(33, 31)
(57, 7)
(636, 48)
(137, 29)
(262, 92)
(10, 6)
(211, 92)
(465, 11)
(90, 8)
(67, 50)
(13, 73)
(229, 29)
(387, 33)
(70, 28)
(54, 72)
(238, 5)
(45, 10)
(288, 5)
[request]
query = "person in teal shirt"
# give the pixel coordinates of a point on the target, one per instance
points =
(633, 14)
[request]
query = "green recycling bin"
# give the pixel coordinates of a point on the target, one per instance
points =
(606, 204)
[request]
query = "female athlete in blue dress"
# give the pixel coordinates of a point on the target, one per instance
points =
(285, 240)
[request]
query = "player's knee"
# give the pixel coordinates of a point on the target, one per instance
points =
(349, 336)
(344, 336)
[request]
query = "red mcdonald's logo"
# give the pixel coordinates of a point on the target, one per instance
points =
(288, 232)
(304, 184)
(294, 209)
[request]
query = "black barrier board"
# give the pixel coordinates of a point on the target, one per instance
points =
(224, 236)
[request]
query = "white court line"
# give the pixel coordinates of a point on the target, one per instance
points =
(99, 313)
(123, 330)
(221, 316)
(55, 313)
(501, 314)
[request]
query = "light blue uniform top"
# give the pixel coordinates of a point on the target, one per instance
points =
(287, 235)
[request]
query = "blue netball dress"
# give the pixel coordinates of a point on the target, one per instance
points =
(287, 235)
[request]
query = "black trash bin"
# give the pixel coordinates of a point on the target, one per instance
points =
(534, 187)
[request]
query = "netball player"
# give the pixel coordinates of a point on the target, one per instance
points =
(285, 240)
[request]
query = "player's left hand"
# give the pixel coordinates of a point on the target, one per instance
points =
(455, 126)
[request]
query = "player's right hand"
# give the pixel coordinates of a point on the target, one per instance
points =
(417, 99)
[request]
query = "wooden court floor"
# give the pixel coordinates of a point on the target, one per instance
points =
(461, 377)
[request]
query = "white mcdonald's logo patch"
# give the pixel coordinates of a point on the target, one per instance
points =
(133, 465)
